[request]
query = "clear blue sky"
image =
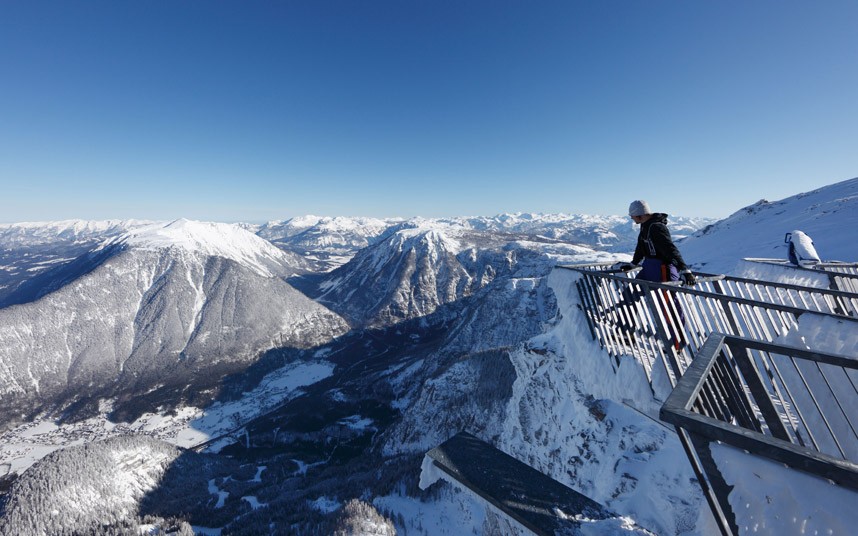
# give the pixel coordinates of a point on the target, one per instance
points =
(259, 110)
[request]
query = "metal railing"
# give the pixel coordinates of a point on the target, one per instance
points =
(842, 276)
(665, 325)
(791, 405)
(820, 300)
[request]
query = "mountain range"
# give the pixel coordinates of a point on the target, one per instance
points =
(314, 360)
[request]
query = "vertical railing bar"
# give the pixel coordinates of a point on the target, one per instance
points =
(709, 398)
(605, 340)
(772, 418)
(589, 310)
(700, 328)
(779, 386)
(759, 290)
(705, 403)
(728, 312)
(724, 389)
(671, 363)
(837, 400)
(646, 315)
(591, 299)
(795, 296)
(781, 321)
(779, 325)
(718, 319)
(818, 409)
(825, 307)
(596, 296)
(608, 315)
(639, 314)
(738, 394)
(755, 325)
(675, 321)
(753, 329)
(719, 395)
(792, 405)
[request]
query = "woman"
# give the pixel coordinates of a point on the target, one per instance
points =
(661, 260)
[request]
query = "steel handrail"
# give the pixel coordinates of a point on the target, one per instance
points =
(841, 275)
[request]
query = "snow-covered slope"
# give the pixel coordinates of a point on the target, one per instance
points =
(829, 215)
(84, 489)
(163, 305)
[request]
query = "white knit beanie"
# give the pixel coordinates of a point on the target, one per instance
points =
(639, 208)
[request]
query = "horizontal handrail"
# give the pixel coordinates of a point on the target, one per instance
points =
(841, 275)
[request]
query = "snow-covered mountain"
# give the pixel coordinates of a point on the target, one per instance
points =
(827, 215)
(160, 306)
(419, 267)
(460, 323)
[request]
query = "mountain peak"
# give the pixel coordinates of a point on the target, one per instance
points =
(211, 239)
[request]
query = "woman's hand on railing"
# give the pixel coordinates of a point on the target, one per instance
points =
(622, 267)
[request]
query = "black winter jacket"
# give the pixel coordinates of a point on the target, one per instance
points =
(654, 241)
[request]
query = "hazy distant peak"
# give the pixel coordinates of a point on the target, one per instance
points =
(51, 232)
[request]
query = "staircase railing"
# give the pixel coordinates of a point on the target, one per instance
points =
(841, 275)
(791, 405)
(664, 325)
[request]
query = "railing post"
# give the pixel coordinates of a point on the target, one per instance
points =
(728, 313)
(715, 488)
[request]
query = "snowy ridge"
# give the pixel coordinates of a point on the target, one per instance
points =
(211, 239)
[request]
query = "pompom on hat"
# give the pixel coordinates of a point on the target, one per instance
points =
(639, 208)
